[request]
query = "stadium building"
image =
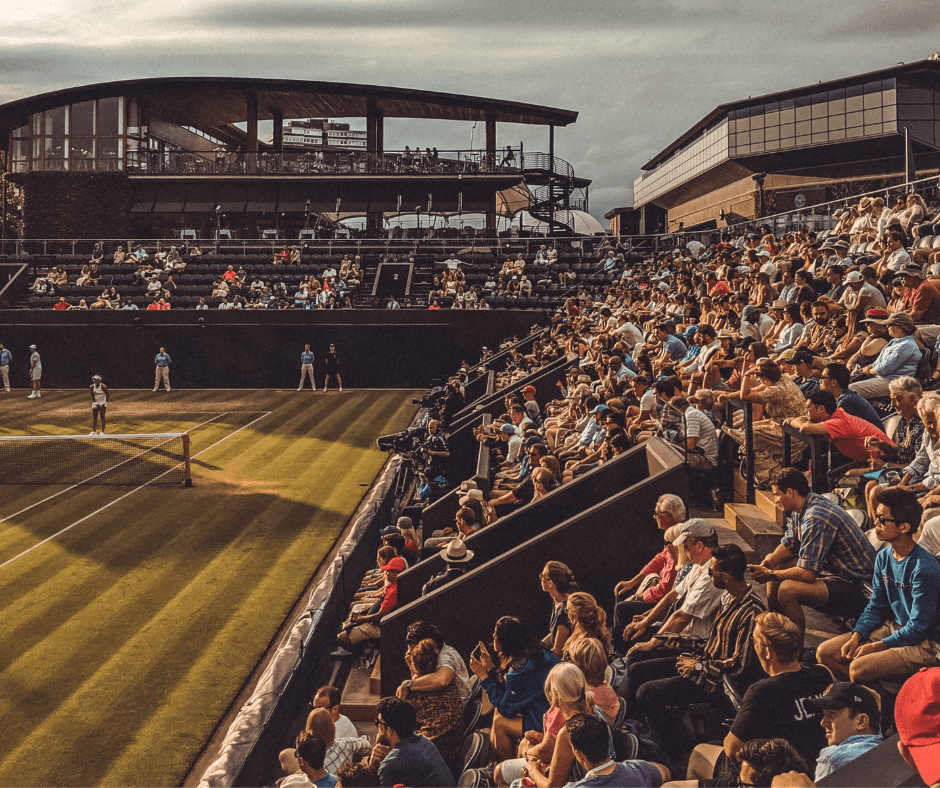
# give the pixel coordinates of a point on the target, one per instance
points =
(795, 148)
(149, 158)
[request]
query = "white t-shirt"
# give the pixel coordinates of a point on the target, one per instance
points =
(898, 259)
(345, 728)
(449, 657)
(701, 602)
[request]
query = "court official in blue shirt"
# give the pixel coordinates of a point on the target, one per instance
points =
(306, 368)
(162, 362)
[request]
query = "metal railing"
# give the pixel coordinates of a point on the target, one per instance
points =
(328, 162)
(743, 405)
(819, 456)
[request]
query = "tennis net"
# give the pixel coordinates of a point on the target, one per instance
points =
(96, 459)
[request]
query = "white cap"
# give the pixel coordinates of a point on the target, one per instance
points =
(853, 276)
(96, 377)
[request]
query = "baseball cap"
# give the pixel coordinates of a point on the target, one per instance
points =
(32, 347)
(763, 253)
(397, 564)
(600, 409)
(853, 276)
(846, 695)
(528, 388)
(96, 377)
(532, 440)
(788, 355)
(917, 718)
(405, 522)
(508, 429)
(749, 310)
(912, 270)
(697, 528)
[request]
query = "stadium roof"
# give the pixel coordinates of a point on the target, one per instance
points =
(927, 70)
(214, 102)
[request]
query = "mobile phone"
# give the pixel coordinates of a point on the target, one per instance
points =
(477, 653)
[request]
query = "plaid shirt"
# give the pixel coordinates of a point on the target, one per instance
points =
(729, 648)
(826, 539)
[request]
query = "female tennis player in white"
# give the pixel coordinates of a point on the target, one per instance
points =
(99, 404)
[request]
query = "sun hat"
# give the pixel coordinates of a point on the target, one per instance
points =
(456, 552)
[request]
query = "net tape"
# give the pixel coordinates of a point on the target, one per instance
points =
(93, 459)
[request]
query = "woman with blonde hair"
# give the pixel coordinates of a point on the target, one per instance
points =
(339, 751)
(588, 620)
(588, 654)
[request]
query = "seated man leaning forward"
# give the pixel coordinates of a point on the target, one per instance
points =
(896, 635)
(401, 756)
(822, 559)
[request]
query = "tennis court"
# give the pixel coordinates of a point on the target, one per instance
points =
(131, 615)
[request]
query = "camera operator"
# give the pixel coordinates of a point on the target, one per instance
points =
(436, 449)
(453, 403)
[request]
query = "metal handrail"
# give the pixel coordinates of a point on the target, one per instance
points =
(819, 456)
(747, 407)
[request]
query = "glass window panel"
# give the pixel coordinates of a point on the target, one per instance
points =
(836, 122)
(873, 87)
(786, 104)
(872, 116)
(108, 147)
(804, 113)
(755, 111)
(743, 138)
(37, 147)
(743, 149)
(82, 153)
(772, 107)
(803, 101)
(20, 149)
(771, 119)
(21, 133)
(872, 100)
(757, 122)
(803, 140)
(836, 95)
(890, 126)
(787, 142)
(889, 84)
(772, 144)
(836, 134)
(757, 147)
(854, 132)
(854, 103)
(83, 119)
(820, 125)
(889, 114)
(787, 130)
(742, 124)
(853, 119)
(110, 117)
(787, 116)
(820, 110)
(837, 107)
(36, 122)
(820, 98)
(889, 97)
(56, 122)
(804, 127)
(819, 138)
(854, 90)
(734, 114)
(874, 129)
(772, 133)
(756, 136)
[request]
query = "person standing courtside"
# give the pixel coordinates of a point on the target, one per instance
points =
(162, 362)
(306, 368)
(35, 372)
(6, 357)
(99, 404)
(332, 368)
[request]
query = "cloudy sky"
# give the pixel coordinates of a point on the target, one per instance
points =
(639, 72)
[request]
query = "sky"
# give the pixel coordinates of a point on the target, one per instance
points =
(638, 72)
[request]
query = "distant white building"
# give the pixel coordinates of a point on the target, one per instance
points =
(321, 134)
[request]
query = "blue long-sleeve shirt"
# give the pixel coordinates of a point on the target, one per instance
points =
(898, 358)
(522, 692)
(925, 467)
(905, 592)
(162, 360)
(5, 357)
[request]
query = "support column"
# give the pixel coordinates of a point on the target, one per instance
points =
(491, 167)
(375, 153)
(551, 176)
(278, 140)
(252, 131)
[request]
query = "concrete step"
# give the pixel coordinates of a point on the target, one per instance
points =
(359, 702)
(750, 523)
(375, 680)
(765, 501)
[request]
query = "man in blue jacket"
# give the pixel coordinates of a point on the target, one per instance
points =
(895, 634)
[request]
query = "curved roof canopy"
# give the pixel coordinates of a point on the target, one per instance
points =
(214, 102)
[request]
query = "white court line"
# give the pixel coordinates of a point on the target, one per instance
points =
(108, 505)
(55, 495)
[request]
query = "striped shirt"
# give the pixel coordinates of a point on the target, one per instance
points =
(826, 539)
(729, 648)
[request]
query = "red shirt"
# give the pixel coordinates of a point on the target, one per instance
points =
(154, 307)
(60, 305)
(926, 299)
(848, 433)
(390, 599)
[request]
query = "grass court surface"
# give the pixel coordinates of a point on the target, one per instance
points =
(131, 616)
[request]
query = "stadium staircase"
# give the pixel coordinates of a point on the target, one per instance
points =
(551, 181)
